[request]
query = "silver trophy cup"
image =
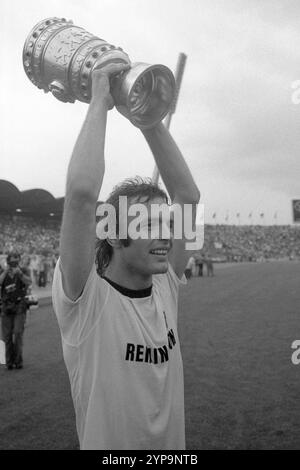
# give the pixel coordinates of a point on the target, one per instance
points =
(60, 57)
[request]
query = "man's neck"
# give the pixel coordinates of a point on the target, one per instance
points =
(126, 277)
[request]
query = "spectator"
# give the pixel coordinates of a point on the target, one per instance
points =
(198, 265)
(33, 266)
(190, 268)
(14, 282)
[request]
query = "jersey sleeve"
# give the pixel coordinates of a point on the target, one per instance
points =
(76, 318)
(174, 280)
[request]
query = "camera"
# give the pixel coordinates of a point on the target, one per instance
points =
(12, 264)
(31, 300)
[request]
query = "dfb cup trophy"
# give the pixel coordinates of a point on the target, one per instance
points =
(60, 57)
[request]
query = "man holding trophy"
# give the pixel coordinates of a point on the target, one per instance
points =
(117, 306)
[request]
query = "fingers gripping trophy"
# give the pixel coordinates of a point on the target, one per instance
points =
(60, 57)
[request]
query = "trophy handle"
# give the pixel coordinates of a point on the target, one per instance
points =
(59, 91)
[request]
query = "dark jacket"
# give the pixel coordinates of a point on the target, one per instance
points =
(13, 291)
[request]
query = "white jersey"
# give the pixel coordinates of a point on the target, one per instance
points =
(124, 363)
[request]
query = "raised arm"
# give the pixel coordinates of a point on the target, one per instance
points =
(24, 276)
(84, 181)
(178, 180)
(22, 273)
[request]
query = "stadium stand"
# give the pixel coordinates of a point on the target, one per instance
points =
(252, 242)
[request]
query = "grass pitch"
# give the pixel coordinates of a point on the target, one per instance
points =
(241, 388)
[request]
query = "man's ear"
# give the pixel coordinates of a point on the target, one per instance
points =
(114, 242)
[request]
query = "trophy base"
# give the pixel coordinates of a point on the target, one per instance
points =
(144, 94)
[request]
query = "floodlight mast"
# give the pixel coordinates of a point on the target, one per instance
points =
(178, 80)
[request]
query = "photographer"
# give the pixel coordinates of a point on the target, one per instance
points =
(14, 282)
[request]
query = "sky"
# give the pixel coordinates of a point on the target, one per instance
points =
(236, 121)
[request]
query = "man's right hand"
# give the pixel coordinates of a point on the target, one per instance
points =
(101, 82)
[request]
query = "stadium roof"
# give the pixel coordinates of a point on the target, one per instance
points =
(33, 202)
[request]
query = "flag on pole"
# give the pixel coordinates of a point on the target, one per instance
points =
(214, 215)
(178, 79)
(296, 210)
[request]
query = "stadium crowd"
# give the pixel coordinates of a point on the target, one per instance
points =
(38, 243)
(252, 242)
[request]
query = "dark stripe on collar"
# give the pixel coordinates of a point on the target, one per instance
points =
(132, 293)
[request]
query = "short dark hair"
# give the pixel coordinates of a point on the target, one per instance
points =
(138, 188)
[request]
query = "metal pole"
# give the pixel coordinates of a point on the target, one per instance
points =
(178, 79)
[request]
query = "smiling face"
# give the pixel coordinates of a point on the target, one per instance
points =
(150, 255)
